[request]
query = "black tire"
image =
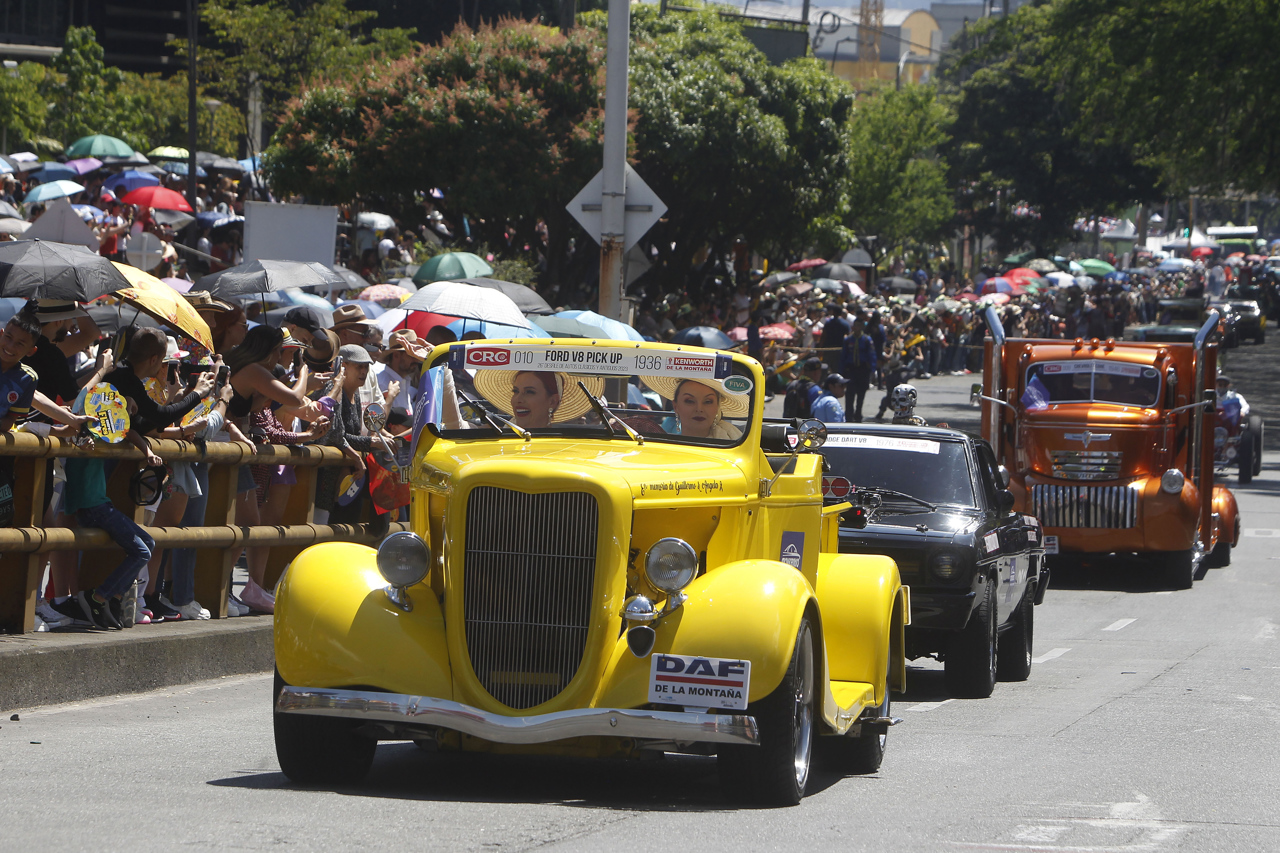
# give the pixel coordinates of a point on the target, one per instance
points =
(1244, 457)
(1177, 567)
(776, 771)
(1013, 658)
(970, 665)
(1219, 557)
(1255, 429)
(1261, 337)
(863, 753)
(320, 750)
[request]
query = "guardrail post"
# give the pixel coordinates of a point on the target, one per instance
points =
(301, 509)
(214, 565)
(20, 573)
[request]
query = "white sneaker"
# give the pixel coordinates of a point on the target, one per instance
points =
(41, 625)
(50, 617)
(190, 610)
(235, 608)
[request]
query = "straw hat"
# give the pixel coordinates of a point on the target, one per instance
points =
(324, 347)
(203, 302)
(495, 386)
(350, 317)
(731, 405)
(406, 340)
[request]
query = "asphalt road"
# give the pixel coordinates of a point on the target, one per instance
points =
(1147, 724)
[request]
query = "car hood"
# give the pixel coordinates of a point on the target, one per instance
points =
(944, 527)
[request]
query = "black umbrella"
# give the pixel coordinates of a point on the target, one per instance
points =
(37, 269)
(112, 318)
(841, 272)
(209, 160)
(899, 283)
(355, 281)
(256, 277)
(526, 298)
(777, 278)
(703, 336)
(275, 317)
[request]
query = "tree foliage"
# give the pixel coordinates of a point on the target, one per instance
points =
(898, 184)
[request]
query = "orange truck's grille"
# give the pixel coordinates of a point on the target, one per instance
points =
(1085, 506)
(528, 577)
(1086, 464)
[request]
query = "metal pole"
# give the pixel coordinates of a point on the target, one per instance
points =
(192, 130)
(614, 197)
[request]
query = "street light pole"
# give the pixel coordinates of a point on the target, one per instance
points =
(613, 211)
(192, 118)
(897, 85)
(835, 51)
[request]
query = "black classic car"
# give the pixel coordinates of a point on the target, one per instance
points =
(935, 501)
(1178, 320)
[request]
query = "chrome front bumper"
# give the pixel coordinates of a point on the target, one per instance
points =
(397, 708)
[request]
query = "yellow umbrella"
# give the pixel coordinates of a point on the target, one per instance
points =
(156, 299)
(167, 152)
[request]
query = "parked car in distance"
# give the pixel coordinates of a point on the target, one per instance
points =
(935, 501)
(1178, 320)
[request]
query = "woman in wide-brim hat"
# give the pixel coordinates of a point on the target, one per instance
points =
(537, 398)
(701, 406)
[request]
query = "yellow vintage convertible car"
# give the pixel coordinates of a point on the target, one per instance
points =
(612, 552)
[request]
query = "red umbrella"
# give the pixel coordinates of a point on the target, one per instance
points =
(806, 264)
(1201, 252)
(1021, 272)
(158, 198)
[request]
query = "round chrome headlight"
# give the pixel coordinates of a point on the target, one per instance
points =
(403, 559)
(670, 565)
(1172, 481)
(945, 565)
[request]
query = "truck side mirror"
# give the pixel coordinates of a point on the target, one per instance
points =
(811, 435)
(1004, 501)
(1211, 398)
(975, 394)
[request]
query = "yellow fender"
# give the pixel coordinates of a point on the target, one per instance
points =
(749, 610)
(866, 607)
(335, 627)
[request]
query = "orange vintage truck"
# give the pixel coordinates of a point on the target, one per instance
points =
(1110, 445)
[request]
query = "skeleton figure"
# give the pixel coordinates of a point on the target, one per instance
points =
(903, 403)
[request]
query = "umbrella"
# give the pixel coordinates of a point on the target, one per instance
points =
(216, 161)
(180, 167)
(1061, 279)
(1001, 285)
(526, 298)
(703, 336)
(87, 212)
(168, 152)
(384, 293)
(1201, 252)
(830, 285)
(798, 288)
(1116, 275)
(158, 300)
(5, 168)
(36, 269)
(454, 299)
(452, 265)
(773, 280)
(251, 164)
(9, 210)
(1044, 266)
(774, 332)
(842, 272)
(175, 219)
(266, 276)
(50, 191)
(112, 318)
(9, 225)
(99, 145)
(353, 279)
(50, 172)
(157, 197)
(294, 296)
(181, 285)
(275, 317)
(1175, 265)
(127, 182)
(84, 165)
(1020, 273)
(373, 219)
(135, 159)
(464, 326)
(806, 264)
(567, 327)
(615, 329)
(994, 299)
(1093, 266)
(214, 218)
(899, 283)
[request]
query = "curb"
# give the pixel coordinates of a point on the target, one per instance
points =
(69, 666)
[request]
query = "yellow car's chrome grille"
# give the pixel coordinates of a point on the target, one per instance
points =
(1086, 464)
(528, 579)
(1111, 507)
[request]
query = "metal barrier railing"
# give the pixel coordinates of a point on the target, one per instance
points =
(24, 546)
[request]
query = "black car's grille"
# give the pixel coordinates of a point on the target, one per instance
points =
(1110, 507)
(528, 576)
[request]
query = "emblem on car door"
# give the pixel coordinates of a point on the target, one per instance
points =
(1087, 436)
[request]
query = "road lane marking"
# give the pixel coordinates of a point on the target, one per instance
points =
(1119, 624)
(1050, 655)
(1266, 632)
(928, 706)
(1260, 532)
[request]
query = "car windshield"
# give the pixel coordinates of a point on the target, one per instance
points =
(484, 390)
(1179, 314)
(936, 472)
(1091, 380)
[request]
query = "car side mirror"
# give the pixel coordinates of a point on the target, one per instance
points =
(1211, 398)
(1005, 476)
(1004, 501)
(975, 394)
(811, 435)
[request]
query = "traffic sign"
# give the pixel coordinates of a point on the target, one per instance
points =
(644, 208)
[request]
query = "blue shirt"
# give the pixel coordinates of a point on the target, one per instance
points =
(828, 409)
(17, 390)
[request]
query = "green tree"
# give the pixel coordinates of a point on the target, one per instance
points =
(898, 187)
(83, 89)
(23, 108)
(153, 111)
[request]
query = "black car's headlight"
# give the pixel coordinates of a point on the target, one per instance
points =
(946, 565)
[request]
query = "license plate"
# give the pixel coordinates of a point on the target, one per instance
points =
(1051, 544)
(699, 682)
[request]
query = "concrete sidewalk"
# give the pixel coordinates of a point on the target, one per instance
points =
(66, 666)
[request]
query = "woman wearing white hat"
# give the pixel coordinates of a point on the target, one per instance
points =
(537, 398)
(701, 405)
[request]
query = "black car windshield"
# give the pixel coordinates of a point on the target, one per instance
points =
(933, 471)
(1090, 380)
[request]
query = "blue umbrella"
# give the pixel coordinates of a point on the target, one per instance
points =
(5, 168)
(87, 211)
(56, 172)
(294, 296)
(10, 306)
(251, 164)
(214, 218)
(50, 191)
(703, 336)
(615, 329)
(1116, 275)
(178, 167)
(130, 180)
(495, 330)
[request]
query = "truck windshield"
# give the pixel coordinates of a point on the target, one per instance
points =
(1090, 380)
(932, 471)
(486, 390)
